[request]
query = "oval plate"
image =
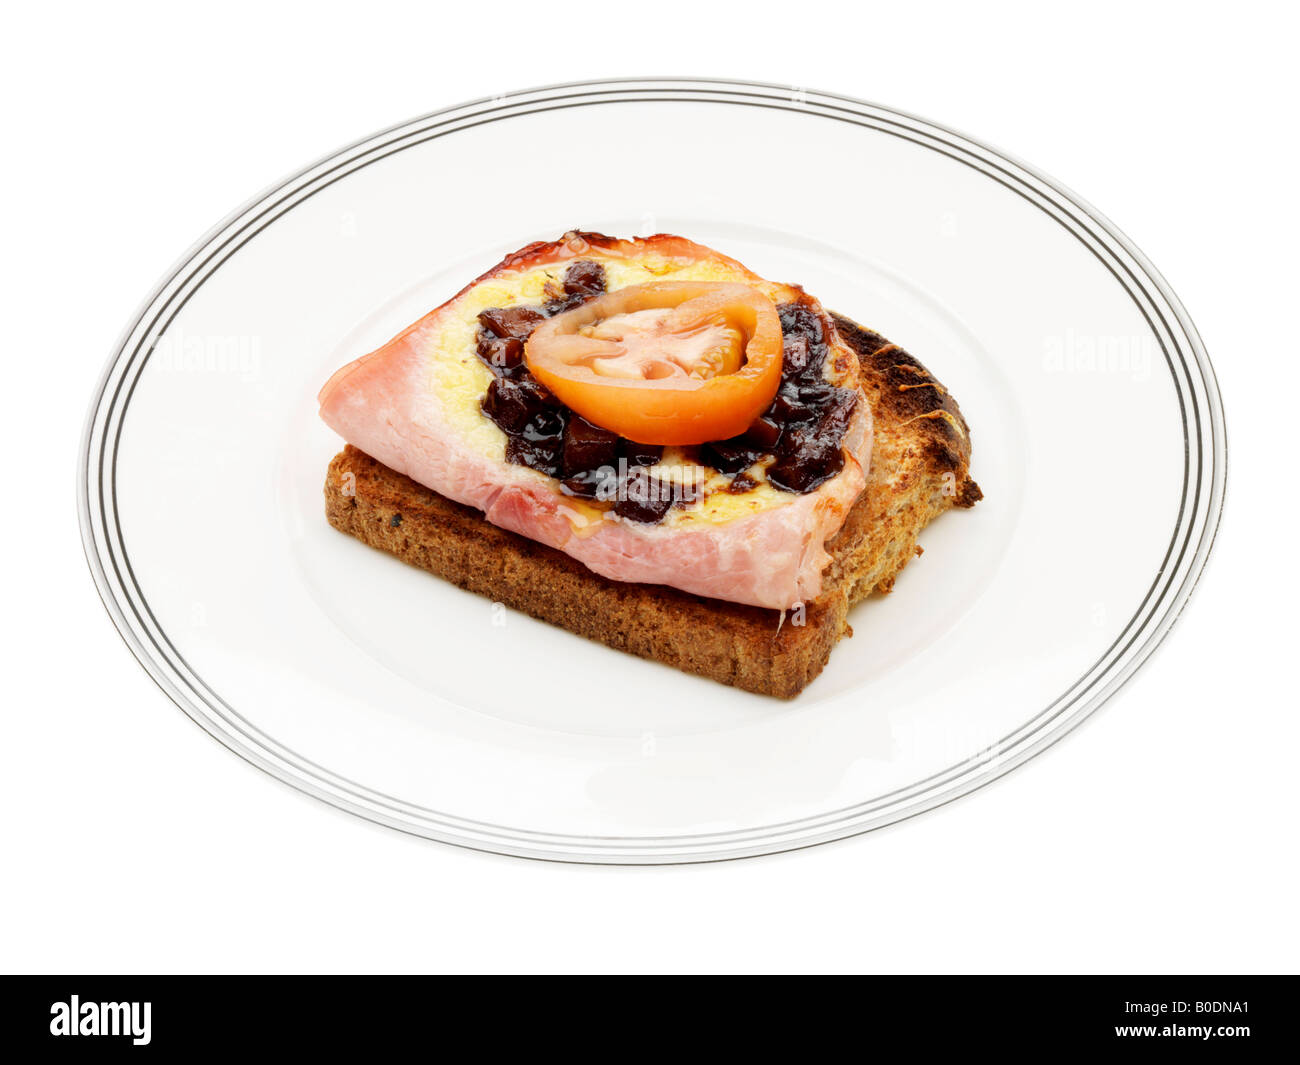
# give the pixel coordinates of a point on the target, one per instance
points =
(1098, 440)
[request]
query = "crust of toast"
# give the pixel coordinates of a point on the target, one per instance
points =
(920, 467)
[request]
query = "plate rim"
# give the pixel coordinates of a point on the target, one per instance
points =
(223, 722)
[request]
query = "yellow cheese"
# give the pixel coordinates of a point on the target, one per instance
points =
(461, 379)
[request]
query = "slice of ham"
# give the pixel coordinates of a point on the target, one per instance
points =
(382, 404)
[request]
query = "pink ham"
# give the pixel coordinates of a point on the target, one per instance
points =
(381, 404)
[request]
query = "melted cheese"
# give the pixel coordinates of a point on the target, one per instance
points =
(461, 379)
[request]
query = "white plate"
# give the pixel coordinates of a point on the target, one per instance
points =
(1098, 440)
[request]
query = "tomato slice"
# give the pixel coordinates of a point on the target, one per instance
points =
(668, 362)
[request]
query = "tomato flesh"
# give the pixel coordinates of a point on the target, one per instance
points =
(668, 362)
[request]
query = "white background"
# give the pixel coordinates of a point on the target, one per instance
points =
(1159, 837)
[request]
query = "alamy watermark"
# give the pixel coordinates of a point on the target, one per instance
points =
(1131, 356)
(238, 355)
(121, 1019)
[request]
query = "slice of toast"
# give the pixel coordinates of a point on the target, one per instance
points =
(919, 468)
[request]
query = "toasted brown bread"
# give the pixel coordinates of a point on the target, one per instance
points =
(919, 468)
